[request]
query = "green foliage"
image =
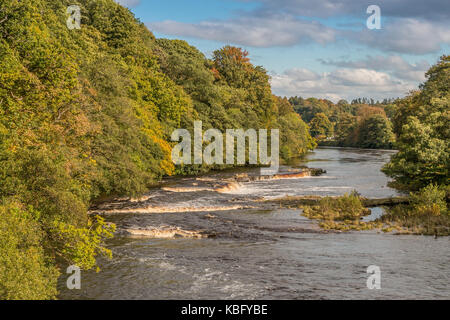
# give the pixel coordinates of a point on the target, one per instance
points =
(295, 139)
(346, 207)
(430, 200)
(87, 114)
(340, 213)
(426, 214)
(308, 108)
(321, 127)
(369, 128)
(346, 127)
(228, 92)
(422, 123)
(81, 246)
(25, 271)
(84, 113)
(350, 125)
(376, 133)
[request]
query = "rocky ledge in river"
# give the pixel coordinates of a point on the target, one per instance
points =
(235, 182)
(164, 232)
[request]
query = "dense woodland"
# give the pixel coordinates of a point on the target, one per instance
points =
(87, 114)
(363, 123)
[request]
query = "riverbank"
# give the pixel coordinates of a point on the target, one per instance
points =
(337, 144)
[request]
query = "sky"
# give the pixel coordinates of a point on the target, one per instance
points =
(314, 48)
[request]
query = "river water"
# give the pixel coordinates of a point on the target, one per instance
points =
(260, 251)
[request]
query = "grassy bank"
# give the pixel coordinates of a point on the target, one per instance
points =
(340, 213)
(425, 214)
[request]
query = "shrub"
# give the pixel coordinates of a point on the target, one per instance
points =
(25, 273)
(429, 200)
(347, 207)
(426, 214)
(81, 246)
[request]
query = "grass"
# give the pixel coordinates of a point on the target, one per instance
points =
(347, 207)
(423, 222)
(340, 213)
(427, 214)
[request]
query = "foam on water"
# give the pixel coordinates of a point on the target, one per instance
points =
(265, 253)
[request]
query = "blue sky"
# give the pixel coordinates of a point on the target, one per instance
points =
(319, 48)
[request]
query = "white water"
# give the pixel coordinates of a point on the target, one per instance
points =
(268, 253)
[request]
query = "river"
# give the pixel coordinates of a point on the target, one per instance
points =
(264, 252)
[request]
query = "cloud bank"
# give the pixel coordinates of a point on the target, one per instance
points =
(409, 28)
(413, 27)
(273, 31)
(342, 83)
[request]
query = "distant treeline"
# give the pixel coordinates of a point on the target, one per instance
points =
(363, 123)
(372, 102)
(420, 122)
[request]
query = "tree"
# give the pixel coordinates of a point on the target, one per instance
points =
(88, 114)
(308, 108)
(321, 127)
(422, 123)
(346, 128)
(82, 115)
(295, 138)
(233, 66)
(365, 111)
(24, 272)
(376, 133)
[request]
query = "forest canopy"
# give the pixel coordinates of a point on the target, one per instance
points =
(363, 123)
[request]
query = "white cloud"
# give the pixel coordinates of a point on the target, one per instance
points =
(407, 35)
(395, 65)
(301, 74)
(430, 9)
(414, 28)
(359, 78)
(341, 83)
(279, 30)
